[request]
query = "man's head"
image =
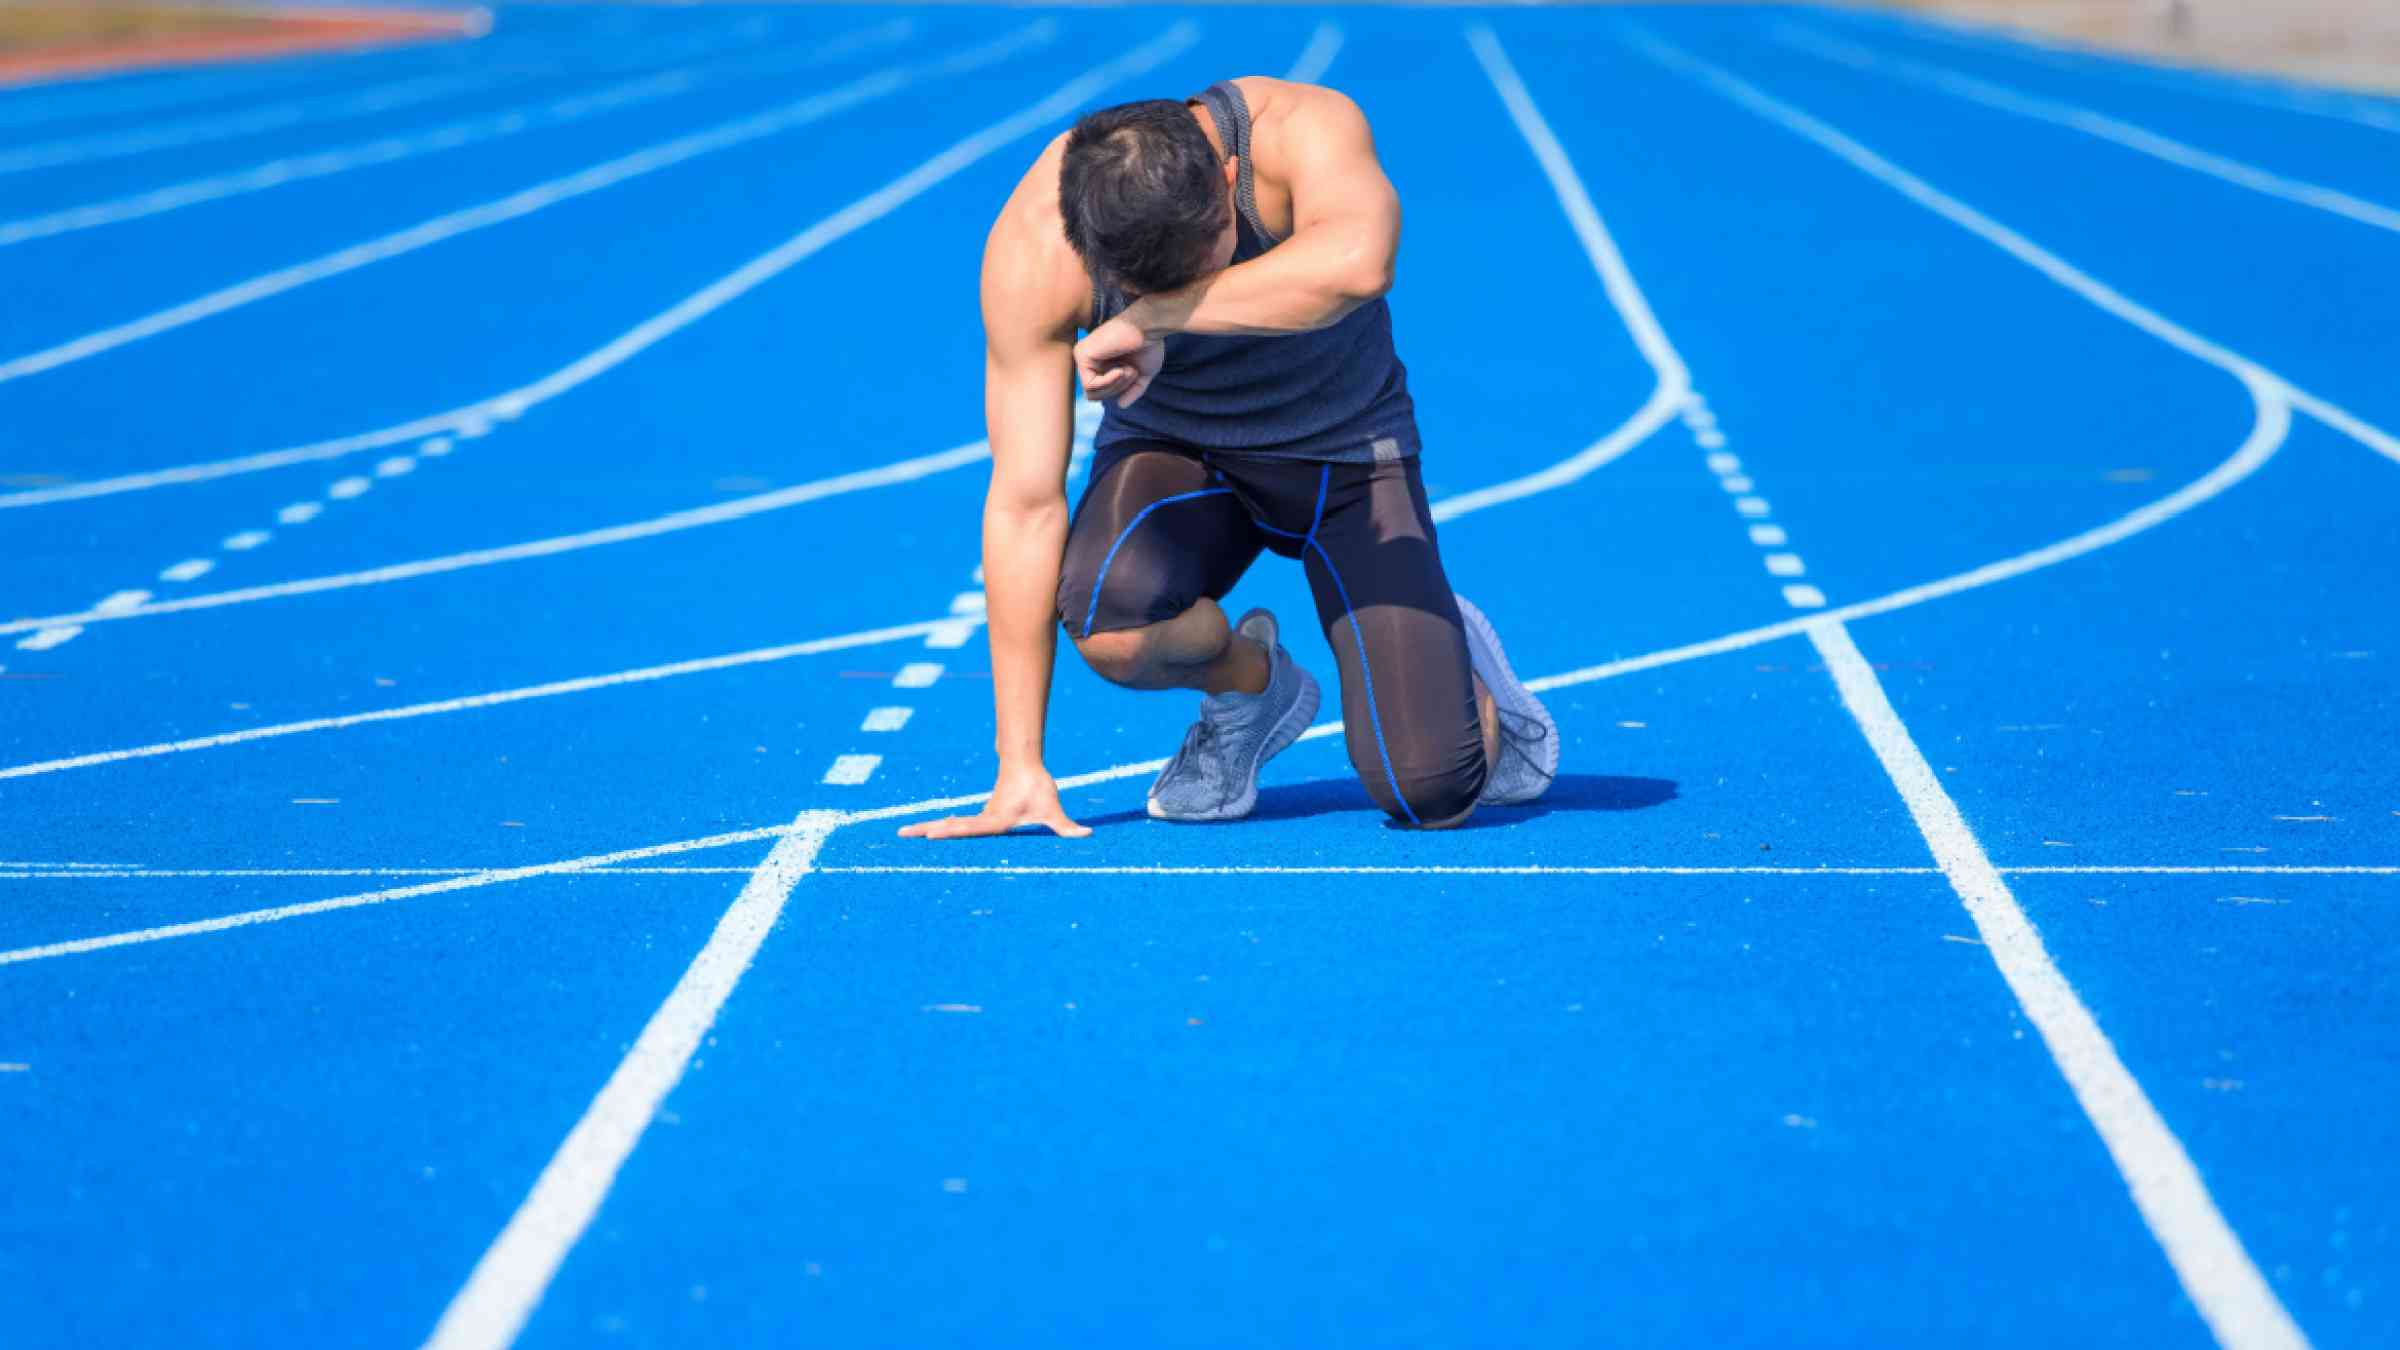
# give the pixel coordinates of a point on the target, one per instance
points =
(1146, 200)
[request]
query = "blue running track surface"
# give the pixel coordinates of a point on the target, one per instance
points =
(488, 559)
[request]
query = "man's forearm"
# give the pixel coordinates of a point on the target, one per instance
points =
(1022, 546)
(1312, 281)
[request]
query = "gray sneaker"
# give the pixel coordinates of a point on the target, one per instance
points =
(1528, 735)
(1215, 775)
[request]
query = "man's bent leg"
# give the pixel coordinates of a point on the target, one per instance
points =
(1156, 540)
(1412, 714)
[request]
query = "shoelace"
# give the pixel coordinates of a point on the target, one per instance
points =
(1517, 732)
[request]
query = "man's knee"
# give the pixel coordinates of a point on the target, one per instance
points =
(1126, 656)
(1434, 800)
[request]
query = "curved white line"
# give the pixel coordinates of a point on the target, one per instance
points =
(2271, 424)
(625, 168)
(718, 514)
(2138, 139)
(642, 336)
(432, 140)
(474, 702)
(2033, 255)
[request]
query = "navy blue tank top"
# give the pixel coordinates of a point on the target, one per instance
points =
(1338, 394)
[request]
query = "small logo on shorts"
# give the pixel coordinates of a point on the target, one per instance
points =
(1386, 448)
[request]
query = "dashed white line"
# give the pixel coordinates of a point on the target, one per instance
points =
(246, 540)
(43, 639)
(1803, 596)
(1768, 536)
(1710, 437)
(1736, 483)
(300, 513)
(918, 675)
(886, 719)
(345, 488)
(434, 447)
(473, 702)
(851, 770)
(1721, 463)
(1785, 565)
(1751, 506)
(190, 569)
(968, 602)
(394, 467)
(951, 635)
(117, 600)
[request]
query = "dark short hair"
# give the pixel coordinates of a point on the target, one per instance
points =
(1142, 194)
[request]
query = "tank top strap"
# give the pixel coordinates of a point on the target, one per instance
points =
(1231, 112)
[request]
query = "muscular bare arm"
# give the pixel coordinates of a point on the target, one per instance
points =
(1031, 302)
(1345, 237)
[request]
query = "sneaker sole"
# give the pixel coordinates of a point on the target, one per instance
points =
(1287, 729)
(1509, 691)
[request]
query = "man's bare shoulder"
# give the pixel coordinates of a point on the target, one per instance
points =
(1031, 276)
(1278, 107)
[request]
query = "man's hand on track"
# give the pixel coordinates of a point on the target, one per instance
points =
(1021, 797)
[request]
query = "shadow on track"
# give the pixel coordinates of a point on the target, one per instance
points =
(1572, 792)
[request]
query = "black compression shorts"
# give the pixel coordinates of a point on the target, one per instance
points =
(1160, 527)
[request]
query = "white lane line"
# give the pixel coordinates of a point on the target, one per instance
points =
(625, 168)
(1785, 565)
(1736, 483)
(116, 600)
(1709, 436)
(584, 684)
(1723, 463)
(851, 770)
(692, 308)
(1317, 56)
(1842, 145)
(1674, 383)
(108, 872)
(886, 719)
(517, 1269)
(1801, 595)
(968, 602)
(192, 131)
(1751, 506)
(43, 639)
(2217, 1274)
(434, 447)
(344, 489)
(190, 569)
(472, 881)
(2139, 139)
(395, 466)
(1768, 536)
(300, 513)
(394, 149)
(903, 471)
(917, 675)
(246, 540)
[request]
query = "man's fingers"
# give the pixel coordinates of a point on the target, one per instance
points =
(951, 827)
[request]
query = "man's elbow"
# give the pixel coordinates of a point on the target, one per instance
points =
(1365, 276)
